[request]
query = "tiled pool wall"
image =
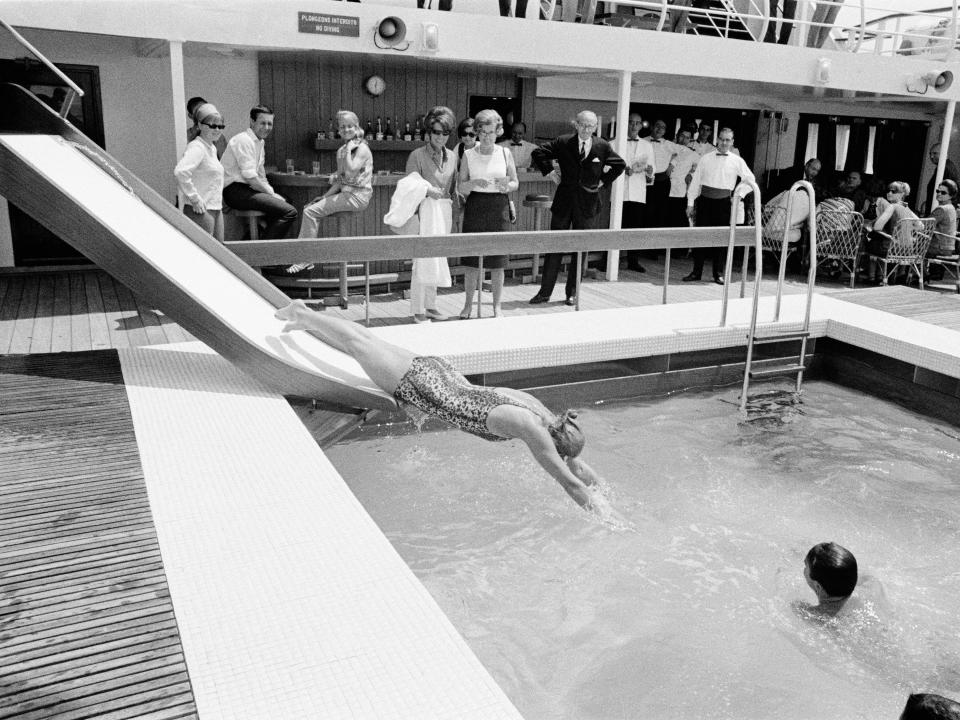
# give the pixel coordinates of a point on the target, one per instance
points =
(925, 391)
(930, 393)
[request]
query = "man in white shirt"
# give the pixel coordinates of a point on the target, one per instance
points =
(640, 162)
(681, 173)
(519, 147)
(702, 144)
(245, 180)
(709, 199)
(664, 152)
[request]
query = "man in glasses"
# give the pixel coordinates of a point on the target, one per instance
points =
(245, 180)
(586, 163)
(521, 149)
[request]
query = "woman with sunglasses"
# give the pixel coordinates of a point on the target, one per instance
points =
(944, 238)
(487, 175)
(200, 175)
(437, 165)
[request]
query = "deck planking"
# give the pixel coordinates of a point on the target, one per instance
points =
(89, 310)
(87, 627)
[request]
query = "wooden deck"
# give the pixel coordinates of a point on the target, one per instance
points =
(86, 624)
(88, 310)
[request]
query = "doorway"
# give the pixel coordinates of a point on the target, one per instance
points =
(33, 244)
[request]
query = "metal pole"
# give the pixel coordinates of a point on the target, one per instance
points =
(480, 286)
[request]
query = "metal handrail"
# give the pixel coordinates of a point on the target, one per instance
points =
(862, 29)
(758, 247)
(806, 186)
(74, 90)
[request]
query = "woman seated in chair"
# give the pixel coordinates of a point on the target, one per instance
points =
(944, 239)
(881, 234)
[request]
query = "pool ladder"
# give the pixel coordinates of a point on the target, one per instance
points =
(795, 368)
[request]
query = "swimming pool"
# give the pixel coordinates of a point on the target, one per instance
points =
(692, 614)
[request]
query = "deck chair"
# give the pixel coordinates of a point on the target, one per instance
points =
(839, 235)
(949, 263)
(774, 222)
(908, 247)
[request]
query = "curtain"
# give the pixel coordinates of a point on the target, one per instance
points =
(843, 146)
(871, 143)
(813, 139)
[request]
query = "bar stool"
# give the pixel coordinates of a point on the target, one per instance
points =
(343, 268)
(540, 204)
(235, 219)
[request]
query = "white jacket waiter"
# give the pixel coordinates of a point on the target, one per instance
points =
(709, 198)
(640, 166)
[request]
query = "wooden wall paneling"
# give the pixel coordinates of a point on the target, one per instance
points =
(527, 88)
(267, 95)
(310, 121)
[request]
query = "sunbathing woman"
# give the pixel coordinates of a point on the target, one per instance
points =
(433, 386)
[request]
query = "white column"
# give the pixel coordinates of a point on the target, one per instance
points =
(620, 147)
(178, 95)
(944, 148)
(871, 146)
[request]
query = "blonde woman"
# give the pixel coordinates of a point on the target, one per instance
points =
(200, 175)
(351, 187)
(487, 175)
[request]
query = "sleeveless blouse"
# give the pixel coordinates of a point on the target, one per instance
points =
(489, 167)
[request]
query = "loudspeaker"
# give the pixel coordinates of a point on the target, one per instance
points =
(390, 32)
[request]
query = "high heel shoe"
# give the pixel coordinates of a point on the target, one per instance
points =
(466, 313)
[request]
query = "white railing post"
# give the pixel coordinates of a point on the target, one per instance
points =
(620, 147)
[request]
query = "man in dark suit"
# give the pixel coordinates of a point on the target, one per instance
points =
(586, 163)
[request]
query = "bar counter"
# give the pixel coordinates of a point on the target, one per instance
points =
(300, 188)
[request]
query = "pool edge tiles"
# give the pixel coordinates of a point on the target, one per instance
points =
(290, 601)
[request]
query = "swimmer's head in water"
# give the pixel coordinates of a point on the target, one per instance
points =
(567, 436)
(833, 567)
(929, 706)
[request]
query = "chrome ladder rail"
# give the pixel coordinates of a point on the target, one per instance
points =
(73, 90)
(804, 333)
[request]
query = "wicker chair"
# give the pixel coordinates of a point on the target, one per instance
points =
(950, 263)
(908, 247)
(839, 234)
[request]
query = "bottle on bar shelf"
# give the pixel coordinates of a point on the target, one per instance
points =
(418, 132)
(332, 133)
(368, 132)
(407, 134)
(389, 134)
(379, 135)
(321, 134)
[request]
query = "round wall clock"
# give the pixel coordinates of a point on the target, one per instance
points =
(375, 85)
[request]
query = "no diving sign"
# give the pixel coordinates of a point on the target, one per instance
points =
(324, 24)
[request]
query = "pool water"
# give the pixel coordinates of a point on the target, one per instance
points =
(695, 611)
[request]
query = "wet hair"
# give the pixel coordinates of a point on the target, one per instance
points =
(465, 124)
(442, 116)
(930, 706)
(567, 436)
(951, 187)
(259, 110)
(834, 567)
(193, 103)
(489, 117)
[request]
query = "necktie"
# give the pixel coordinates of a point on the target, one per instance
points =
(583, 151)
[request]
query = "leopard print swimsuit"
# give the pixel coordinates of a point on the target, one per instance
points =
(434, 386)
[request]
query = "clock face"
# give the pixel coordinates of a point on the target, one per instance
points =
(375, 85)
